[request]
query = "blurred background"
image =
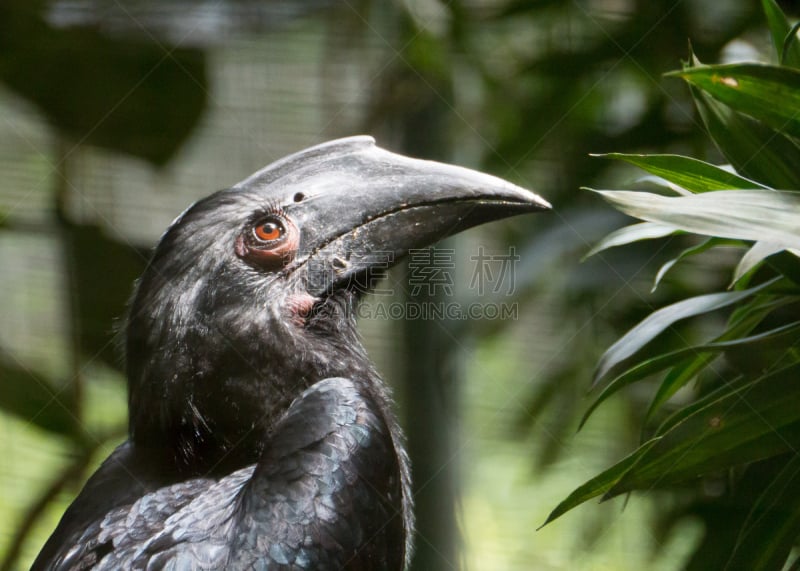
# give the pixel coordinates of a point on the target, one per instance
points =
(114, 116)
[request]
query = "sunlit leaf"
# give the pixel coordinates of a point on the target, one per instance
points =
(659, 320)
(788, 52)
(754, 311)
(682, 374)
(752, 422)
(700, 353)
(741, 322)
(636, 373)
(630, 234)
(677, 378)
(791, 47)
(786, 263)
(688, 173)
(739, 214)
(768, 93)
(795, 565)
(754, 150)
(747, 409)
(757, 253)
(688, 252)
(720, 418)
(773, 524)
(600, 484)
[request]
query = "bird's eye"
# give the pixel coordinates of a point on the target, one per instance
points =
(269, 230)
(269, 241)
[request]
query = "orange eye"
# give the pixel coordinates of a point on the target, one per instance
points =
(269, 241)
(269, 231)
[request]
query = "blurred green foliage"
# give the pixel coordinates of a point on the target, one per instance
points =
(136, 96)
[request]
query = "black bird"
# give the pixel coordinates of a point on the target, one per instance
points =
(261, 436)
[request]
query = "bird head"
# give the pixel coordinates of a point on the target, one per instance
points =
(245, 302)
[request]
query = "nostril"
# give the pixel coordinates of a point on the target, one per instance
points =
(299, 197)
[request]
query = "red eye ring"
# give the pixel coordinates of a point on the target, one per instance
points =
(270, 230)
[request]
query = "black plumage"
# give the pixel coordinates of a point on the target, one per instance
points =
(261, 436)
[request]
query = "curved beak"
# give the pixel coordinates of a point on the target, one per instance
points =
(359, 207)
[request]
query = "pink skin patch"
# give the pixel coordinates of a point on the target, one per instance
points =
(299, 306)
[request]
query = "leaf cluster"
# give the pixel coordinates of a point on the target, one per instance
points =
(731, 403)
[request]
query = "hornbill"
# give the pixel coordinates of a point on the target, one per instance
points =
(261, 436)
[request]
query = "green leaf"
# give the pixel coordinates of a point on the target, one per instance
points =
(600, 484)
(795, 566)
(741, 322)
(655, 323)
(781, 31)
(790, 54)
(702, 353)
(636, 373)
(676, 379)
(768, 93)
(721, 431)
(685, 372)
(694, 250)
(692, 174)
(754, 150)
(739, 214)
(752, 422)
(773, 524)
(755, 310)
(788, 264)
(632, 233)
(757, 253)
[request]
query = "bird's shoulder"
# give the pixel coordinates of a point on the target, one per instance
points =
(112, 485)
(326, 493)
(187, 524)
